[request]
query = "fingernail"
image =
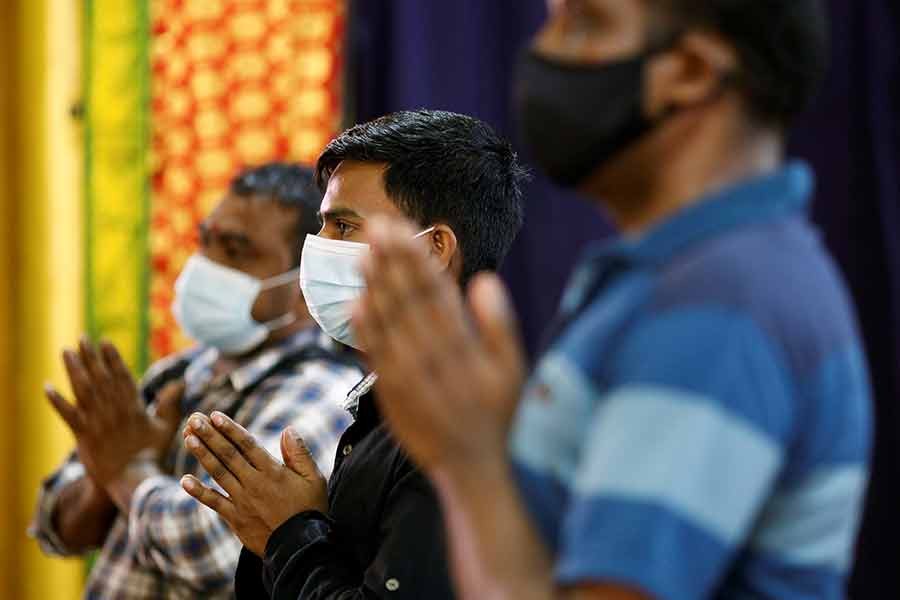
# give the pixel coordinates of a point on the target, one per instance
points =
(48, 387)
(197, 423)
(188, 483)
(192, 442)
(293, 434)
(217, 418)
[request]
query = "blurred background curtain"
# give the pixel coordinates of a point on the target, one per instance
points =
(41, 307)
(460, 56)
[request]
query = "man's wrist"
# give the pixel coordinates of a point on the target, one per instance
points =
(473, 480)
(121, 488)
(92, 497)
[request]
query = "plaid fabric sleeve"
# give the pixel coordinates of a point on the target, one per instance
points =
(179, 537)
(41, 527)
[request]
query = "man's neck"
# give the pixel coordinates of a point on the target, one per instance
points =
(705, 157)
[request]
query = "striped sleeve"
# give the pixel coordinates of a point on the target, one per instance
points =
(681, 453)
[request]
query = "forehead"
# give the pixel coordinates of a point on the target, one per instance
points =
(253, 216)
(358, 187)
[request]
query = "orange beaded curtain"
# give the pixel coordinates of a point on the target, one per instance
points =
(234, 83)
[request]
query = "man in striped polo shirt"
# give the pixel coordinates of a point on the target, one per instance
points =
(699, 426)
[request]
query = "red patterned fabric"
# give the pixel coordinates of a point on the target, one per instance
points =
(234, 83)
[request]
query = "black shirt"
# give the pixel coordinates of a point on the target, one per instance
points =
(383, 536)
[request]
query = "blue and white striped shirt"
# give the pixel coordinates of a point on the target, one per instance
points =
(700, 426)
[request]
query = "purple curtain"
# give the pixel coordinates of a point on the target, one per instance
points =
(461, 55)
(852, 137)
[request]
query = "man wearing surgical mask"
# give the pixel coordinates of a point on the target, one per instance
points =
(259, 358)
(375, 530)
(699, 424)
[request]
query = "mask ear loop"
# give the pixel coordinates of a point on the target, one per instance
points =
(424, 233)
(289, 317)
(280, 280)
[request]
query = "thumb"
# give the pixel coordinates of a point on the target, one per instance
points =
(496, 322)
(295, 454)
(168, 402)
(499, 333)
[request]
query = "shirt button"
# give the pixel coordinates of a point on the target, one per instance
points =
(347, 449)
(392, 585)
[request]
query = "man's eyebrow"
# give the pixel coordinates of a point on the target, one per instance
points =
(224, 235)
(337, 213)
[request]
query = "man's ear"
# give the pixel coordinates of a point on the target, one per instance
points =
(690, 73)
(443, 244)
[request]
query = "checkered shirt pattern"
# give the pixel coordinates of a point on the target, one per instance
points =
(169, 545)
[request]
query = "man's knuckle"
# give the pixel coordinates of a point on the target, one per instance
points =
(229, 453)
(247, 443)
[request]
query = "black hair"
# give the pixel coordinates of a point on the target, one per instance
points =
(290, 185)
(782, 47)
(442, 168)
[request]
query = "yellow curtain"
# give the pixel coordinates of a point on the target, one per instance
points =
(40, 168)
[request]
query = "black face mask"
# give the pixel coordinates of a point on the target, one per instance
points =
(575, 117)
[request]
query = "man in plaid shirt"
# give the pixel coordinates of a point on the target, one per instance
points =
(260, 361)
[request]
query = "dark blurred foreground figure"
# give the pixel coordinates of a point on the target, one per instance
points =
(374, 530)
(259, 358)
(699, 424)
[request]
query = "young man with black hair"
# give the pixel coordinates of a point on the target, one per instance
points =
(699, 426)
(259, 358)
(376, 532)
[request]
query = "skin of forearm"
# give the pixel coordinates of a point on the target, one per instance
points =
(495, 551)
(83, 515)
(121, 489)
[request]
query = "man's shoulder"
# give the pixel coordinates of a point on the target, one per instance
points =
(173, 365)
(319, 370)
(777, 276)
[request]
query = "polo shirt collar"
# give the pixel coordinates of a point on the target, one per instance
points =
(772, 196)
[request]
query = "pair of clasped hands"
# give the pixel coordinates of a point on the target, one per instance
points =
(421, 336)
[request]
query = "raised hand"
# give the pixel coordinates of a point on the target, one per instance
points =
(448, 378)
(110, 422)
(262, 493)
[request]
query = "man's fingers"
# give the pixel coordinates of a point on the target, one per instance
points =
(124, 381)
(67, 411)
(210, 497)
(79, 379)
(106, 410)
(225, 451)
(240, 437)
(296, 454)
(391, 293)
(93, 362)
(496, 321)
(213, 466)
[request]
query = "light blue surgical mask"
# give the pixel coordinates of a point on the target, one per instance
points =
(331, 283)
(213, 305)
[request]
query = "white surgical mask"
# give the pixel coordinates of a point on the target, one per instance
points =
(331, 283)
(213, 305)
